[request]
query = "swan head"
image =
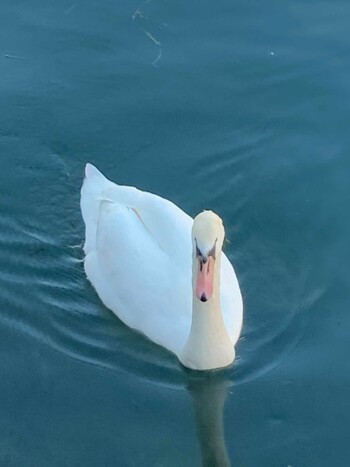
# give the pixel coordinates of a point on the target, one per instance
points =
(208, 235)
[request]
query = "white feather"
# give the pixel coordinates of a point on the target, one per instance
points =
(139, 259)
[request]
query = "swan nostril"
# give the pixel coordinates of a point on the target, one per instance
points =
(203, 298)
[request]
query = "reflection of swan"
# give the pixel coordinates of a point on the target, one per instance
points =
(209, 418)
(138, 257)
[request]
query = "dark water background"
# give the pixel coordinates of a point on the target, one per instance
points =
(238, 106)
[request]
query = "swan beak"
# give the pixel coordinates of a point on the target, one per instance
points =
(205, 278)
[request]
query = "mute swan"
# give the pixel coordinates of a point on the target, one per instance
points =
(161, 272)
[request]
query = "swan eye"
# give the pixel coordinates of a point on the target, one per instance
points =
(211, 252)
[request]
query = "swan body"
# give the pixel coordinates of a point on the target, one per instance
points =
(141, 256)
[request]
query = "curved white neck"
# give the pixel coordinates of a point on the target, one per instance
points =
(209, 345)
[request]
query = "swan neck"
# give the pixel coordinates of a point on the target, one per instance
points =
(209, 345)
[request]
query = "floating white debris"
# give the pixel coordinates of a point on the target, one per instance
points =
(70, 9)
(157, 43)
(137, 14)
(153, 39)
(14, 57)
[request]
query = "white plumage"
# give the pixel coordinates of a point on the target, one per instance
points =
(138, 251)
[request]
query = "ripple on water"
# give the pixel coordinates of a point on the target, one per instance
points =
(45, 294)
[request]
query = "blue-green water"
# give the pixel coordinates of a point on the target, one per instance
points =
(242, 107)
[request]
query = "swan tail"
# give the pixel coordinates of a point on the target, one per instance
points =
(94, 185)
(97, 189)
(92, 172)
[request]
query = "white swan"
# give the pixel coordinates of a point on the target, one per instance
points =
(176, 288)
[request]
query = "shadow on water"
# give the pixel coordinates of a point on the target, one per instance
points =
(208, 395)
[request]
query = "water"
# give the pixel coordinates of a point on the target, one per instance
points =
(241, 107)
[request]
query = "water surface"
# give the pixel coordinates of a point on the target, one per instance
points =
(240, 107)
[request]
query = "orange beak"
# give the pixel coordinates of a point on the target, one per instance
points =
(205, 278)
